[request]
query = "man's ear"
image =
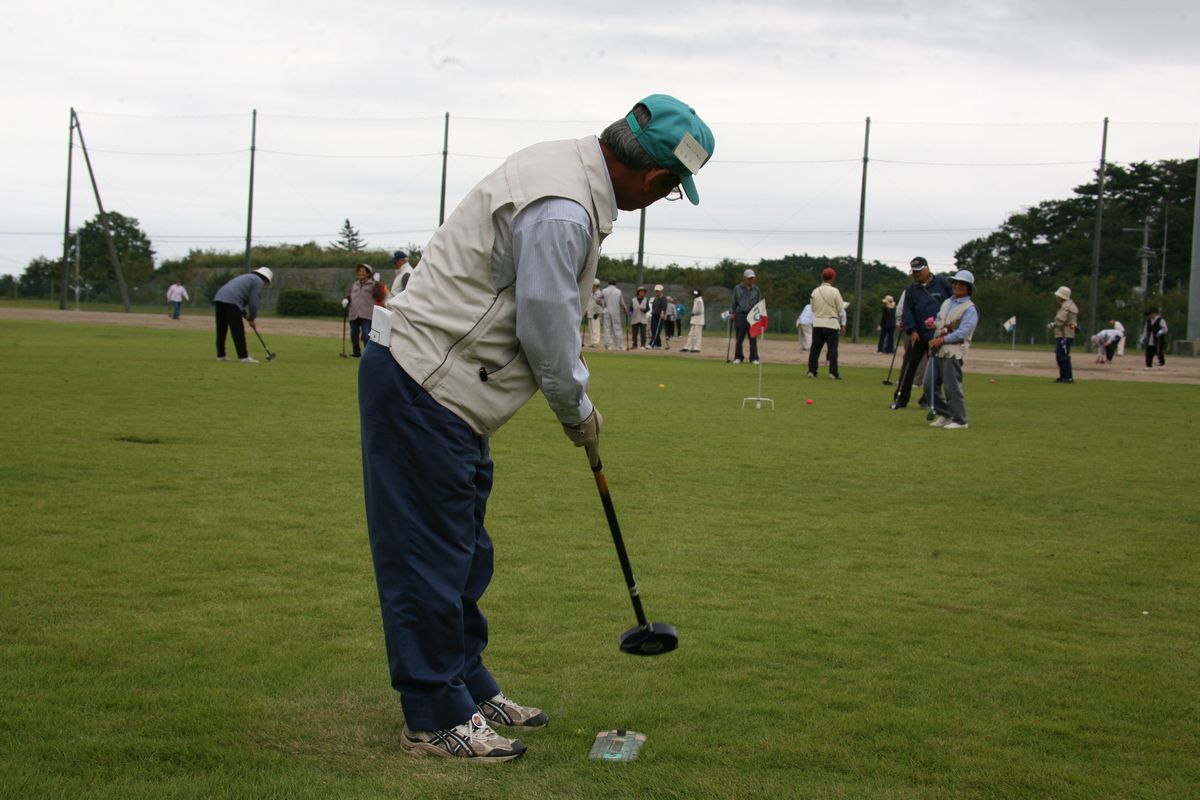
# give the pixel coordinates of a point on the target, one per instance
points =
(652, 175)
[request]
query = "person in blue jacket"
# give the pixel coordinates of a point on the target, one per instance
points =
(923, 299)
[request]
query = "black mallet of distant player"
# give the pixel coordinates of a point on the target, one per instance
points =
(270, 355)
(648, 638)
(888, 380)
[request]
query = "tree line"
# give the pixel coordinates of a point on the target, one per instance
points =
(1017, 266)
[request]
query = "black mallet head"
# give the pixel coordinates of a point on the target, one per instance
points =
(654, 639)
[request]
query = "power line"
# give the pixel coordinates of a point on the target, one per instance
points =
(981, 163)
(345, 155)
(175, 155)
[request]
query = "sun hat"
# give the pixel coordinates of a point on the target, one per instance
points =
(675, 137)
(1062, 293)
(266, 273)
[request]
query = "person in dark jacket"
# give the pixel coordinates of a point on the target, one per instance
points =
(887, 326)
(1154, 338)
(922, 299)
(237, 298)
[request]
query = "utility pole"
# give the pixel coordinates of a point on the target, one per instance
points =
(1144, 251)
(62, 300)
(1092, 291)
(250, 202)
(1162, 275)
(112, 248)
(862, 215)
(641, 244)
(445, 155)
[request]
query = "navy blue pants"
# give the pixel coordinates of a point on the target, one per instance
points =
(426, 481)
(1062, 354)
(360, 333)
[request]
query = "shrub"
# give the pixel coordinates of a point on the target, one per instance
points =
(306, 303)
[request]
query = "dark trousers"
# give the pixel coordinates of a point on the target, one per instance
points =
(638, 331)
(1062, 354)
(1155, 350)
(821, 338)
(229, 320)
(175, 306)
(656, 326)
(1110, 350)
(426, 481)
(360, 331)
(914, 360)
(742, 327)
(887, 340)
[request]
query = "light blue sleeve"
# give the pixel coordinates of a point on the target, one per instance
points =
(551, 241)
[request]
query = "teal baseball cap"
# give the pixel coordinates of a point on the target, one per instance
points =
(676, 138)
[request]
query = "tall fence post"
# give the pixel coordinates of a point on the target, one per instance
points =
(862, 216)
(1193, 319)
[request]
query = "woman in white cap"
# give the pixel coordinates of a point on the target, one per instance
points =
(237, 298)
(887, 327)
(1065, 326)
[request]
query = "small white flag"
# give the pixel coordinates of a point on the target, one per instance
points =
(1010, 324)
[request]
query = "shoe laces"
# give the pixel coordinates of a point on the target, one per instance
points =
(476, 728)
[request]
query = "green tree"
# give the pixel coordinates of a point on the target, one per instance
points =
(39, 277)
(349, 240)
(132, 245)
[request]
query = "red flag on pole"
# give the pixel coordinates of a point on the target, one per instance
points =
(757, 319)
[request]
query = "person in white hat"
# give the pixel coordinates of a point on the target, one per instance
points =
(237, 298)
(595, 307)
(887, 327)
(745, 297)
(952, 332)
(695, 323)
(1065, 326)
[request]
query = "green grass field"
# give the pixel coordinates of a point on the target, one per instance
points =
(868, 608)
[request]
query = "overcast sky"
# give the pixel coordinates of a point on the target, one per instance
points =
(978, 109)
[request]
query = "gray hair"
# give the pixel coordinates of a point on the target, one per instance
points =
(618, 137)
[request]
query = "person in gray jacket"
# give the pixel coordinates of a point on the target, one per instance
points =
(490, 317)
(237, 298)
(359, 303)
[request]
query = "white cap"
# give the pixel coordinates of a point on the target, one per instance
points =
(265, 272)
(658, 287)
(595, 281)
(748, 273)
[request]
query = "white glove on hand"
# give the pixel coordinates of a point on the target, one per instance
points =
(345, 302)
(586, 433)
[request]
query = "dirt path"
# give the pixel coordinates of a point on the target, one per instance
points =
(775, 350)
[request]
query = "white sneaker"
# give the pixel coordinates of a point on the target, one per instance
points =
(755, 361)
(474, 739)
(503, 711)
(248, 360)
(737, 361)
(940, 422)
(223, 358)
(956, 426)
